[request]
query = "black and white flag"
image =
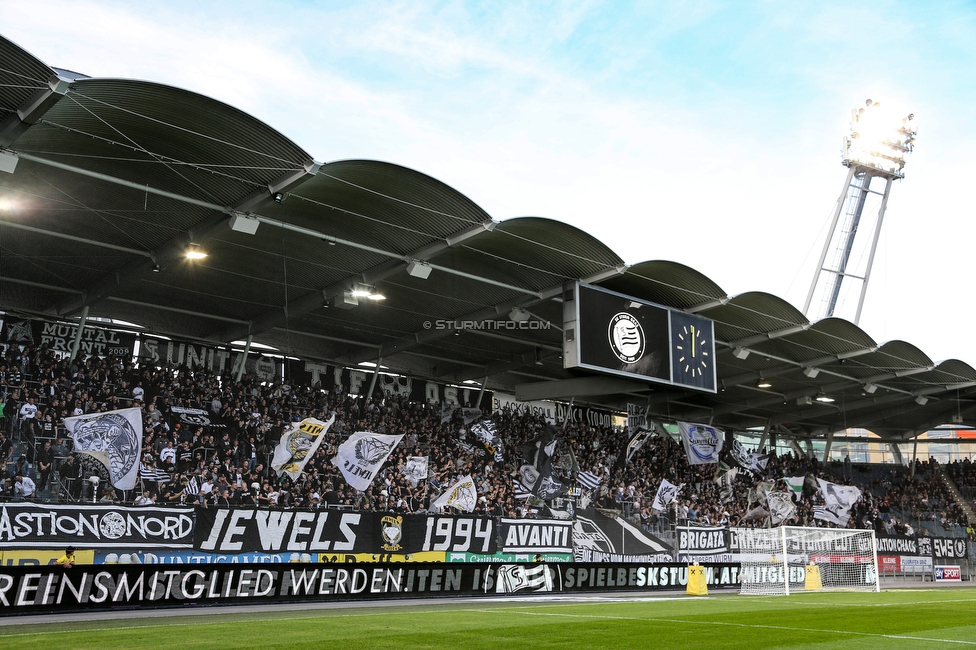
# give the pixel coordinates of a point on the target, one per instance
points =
(725, 479)
(634, 443)
(470, 415)
(447, 410)
(114, 439)
(588, 480)
(520, 577)
(415, 469)
(154, 474)
(362, 456)
(487, 433)
(838, 500)
(666, 494)
(539, 453)
(749, 461)
(636, 418)
(781, 507)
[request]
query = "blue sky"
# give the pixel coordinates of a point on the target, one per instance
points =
(703, 132)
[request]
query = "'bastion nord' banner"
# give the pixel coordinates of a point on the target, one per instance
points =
(250, 530)
(33, 525)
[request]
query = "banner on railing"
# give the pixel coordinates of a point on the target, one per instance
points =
(250, 530)
(56, 526)
(536, 536)
(89, 587)
(705, 544)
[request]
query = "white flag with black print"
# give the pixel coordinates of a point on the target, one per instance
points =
(636, 418)
(298, 445)
(361, 457)
(447, 411)
(114, 439)
(463, 496)
(781, 507)
(519, 577)
(666, 494)
(702, 442)
(838, 500)
(415, 469)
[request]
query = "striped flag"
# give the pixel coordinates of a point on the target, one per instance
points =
(588, 480)
(521, 492)
(154, 474)
(518, 577)
(193, 487)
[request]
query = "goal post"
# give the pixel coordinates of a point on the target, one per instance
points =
(790, 559)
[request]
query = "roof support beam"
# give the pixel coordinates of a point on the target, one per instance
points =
(316, 299)
(15, 124)
(214, 225)
(425, 336)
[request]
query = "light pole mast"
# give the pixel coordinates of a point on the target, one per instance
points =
(874, 153)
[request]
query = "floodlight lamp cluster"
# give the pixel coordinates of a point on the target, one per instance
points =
(366, 291)
(879, 139)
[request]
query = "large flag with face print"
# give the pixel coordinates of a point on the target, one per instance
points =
(114, 439)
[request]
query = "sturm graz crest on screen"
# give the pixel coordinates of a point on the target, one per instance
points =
(626, 337)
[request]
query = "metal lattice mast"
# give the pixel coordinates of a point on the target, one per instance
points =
(874, 154)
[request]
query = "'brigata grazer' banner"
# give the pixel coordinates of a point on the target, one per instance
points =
(85, 587)
(28, 525)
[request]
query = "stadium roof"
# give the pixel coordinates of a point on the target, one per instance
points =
(115, 178)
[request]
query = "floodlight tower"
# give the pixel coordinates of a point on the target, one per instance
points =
(874, 153)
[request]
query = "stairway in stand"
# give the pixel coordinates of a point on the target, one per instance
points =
(956, 494)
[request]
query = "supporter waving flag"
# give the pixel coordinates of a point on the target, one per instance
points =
(298, 445)
(463, 496)
(415, 470)
(795, 484)
(361, 457)
(114, 439)
(702, 442)
(666, 494)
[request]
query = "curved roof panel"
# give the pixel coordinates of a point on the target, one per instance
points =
(666, 283)
(21, 76)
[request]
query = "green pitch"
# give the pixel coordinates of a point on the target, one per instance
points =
(912, 618)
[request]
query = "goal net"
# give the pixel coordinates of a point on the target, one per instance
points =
(789, 559)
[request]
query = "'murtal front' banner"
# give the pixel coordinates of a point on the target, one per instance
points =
(60, 337)
(54, 526)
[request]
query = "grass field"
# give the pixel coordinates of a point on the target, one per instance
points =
(913, 618)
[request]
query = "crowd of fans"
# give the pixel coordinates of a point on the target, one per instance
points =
(228, 461)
